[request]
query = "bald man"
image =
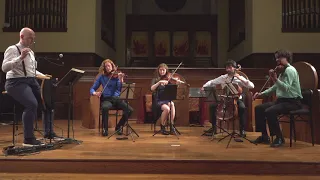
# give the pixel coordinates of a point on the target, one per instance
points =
(19, 64)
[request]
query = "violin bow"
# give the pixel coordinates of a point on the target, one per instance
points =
(175, 70)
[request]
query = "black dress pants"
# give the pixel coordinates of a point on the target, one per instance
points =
(269, 111)
(109, 102)
(26, 91)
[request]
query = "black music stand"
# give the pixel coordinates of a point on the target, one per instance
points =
(68, 81)
(127, 89)
(48, 104)
(231, 96)
(211, 96)
(169, 93)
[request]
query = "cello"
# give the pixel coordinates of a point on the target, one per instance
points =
(228, 94)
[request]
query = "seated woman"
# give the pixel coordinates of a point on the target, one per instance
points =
(157, 86)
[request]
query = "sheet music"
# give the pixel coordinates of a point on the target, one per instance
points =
(232, 88)
(209, 93)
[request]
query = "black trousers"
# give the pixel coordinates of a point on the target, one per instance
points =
(269, 111)
(116, 102)
(26, 91)
(241, 112)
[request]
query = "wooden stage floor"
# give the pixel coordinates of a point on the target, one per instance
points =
(191, 150)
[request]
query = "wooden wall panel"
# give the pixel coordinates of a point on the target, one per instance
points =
(196, 77)
(173, 23)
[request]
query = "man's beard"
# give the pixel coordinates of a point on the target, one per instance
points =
(230, 73)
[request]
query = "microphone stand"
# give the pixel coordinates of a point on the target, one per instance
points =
(47, 112)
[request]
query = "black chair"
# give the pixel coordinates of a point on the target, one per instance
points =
(295, 116)
(13, 113)
(111, 109)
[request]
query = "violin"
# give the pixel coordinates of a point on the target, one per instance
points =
(173, 79)
(113, 74)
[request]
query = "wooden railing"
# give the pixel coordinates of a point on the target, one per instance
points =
(40, 15)
(300, 16)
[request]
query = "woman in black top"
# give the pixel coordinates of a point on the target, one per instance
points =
(157, 86)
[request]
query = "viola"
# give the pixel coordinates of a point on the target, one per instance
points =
(278, 69)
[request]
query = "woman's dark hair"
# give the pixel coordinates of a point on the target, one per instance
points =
(283, 54)
(230, 62)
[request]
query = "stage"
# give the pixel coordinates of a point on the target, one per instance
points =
(190, 154)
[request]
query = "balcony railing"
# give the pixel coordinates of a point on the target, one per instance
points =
(300, 16)
(40, 15)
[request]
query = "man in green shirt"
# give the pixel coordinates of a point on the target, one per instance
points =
(288, 93)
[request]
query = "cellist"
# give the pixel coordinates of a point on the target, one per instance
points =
(288, 93)
(235, 78)
(111, 80)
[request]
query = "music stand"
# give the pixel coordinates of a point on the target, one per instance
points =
(231, 96)
(129, 91)
(210, 93)
(169, 93)
(48, 102)
(69, 80)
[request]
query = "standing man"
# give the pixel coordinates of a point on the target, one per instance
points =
(19, 64)
(288, 93)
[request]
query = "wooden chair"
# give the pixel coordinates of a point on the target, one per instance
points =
(14, 119)
(309, 82)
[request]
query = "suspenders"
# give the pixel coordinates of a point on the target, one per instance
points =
(24, 67)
